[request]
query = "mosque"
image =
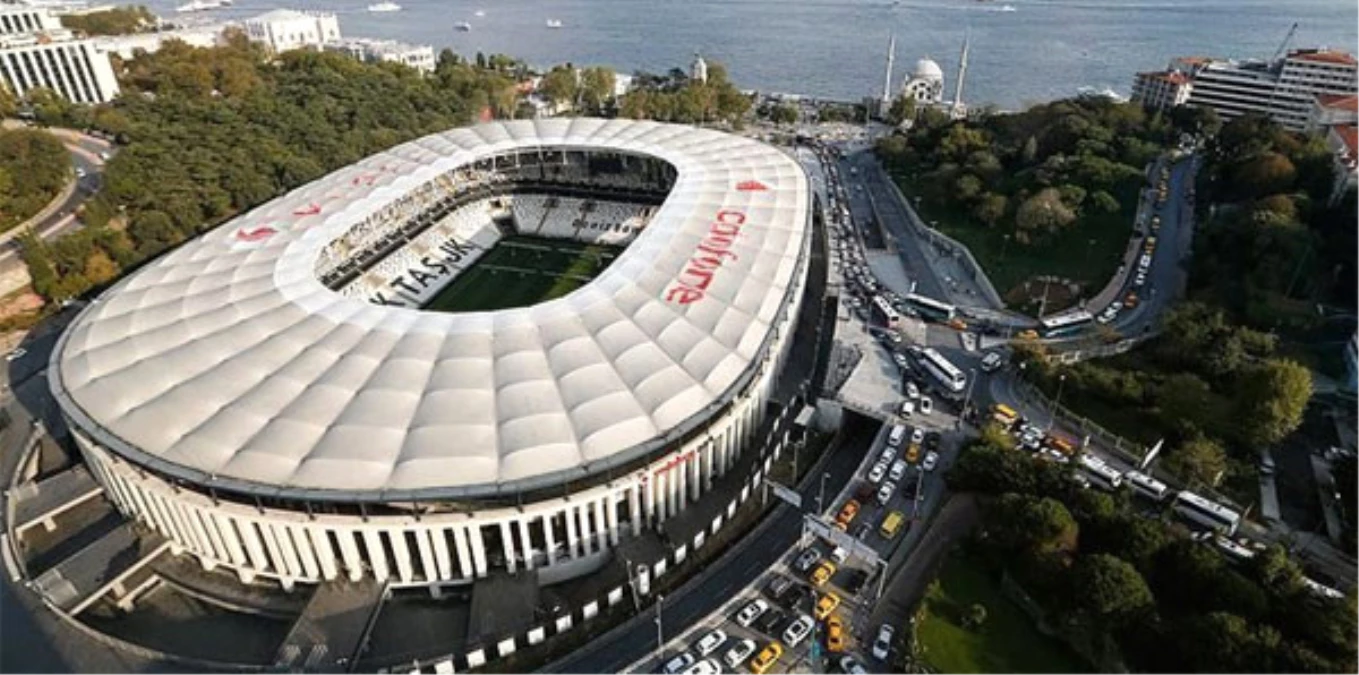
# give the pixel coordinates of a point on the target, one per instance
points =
(924, 84)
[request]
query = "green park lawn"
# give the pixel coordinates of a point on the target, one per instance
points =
(1007, 642)
(522, 271)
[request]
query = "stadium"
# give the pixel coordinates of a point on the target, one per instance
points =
(501, 347)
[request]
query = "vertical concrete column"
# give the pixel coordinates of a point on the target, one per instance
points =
(550, 538)
(695, 470)
(377, 558)
(304, 552)
(325, 555)
(572, 545)
(583, 512)
(227, 533)
(401, 552)
(649, 499)
(525, 541)
(426, 550)
(601, 527)
(253, 547)
(214, 540)
(709, 455)
(611, 516)
(442, 559)
(681, 474)
(478, 546)
(275, 554)
(285, 546)
(658, 481)
(464, 552)
(507, 543)
(349, 552)
(635, 508)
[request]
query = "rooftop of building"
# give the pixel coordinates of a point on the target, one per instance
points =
(377, 46)
(1348, 102)
(1168, 76)
(1323, 55)
(1349, 135)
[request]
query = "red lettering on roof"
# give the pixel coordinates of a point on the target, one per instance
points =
(751, 186)
(257, 234)
(712, 251)
(308, 210)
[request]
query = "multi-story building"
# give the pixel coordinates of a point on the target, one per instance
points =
(1343, 140)
(75, 69)
(419, 57)
(1285, 89)
(282, 30)
(1329, 110)
(22, 19)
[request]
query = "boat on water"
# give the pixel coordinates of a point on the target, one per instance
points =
(462, 26)
(554, 23)
(480, 13)
(1007, 8)
(202, 6)
(385, 6)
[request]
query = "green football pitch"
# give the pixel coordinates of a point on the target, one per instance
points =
(521, 271)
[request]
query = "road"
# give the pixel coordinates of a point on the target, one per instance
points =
(85, 158)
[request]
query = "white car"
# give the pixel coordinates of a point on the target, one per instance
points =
(898, 470)
(889, 453)
(704, 667)
(751, 612)
(900, 360)
(849, 665)
(931, 461)
(16, 354)
(926, 405)
(840, 555)
(912, 391)
(679, 664)
(798, 631)
(710, 642)
(806, 559)
(917, 435)
(1107, 315)
(877, 472)
(738, 653)
(882, 644)
(885, 492)
(991, 362)
(907, 408)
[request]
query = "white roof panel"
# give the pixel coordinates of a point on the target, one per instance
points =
(228, 360)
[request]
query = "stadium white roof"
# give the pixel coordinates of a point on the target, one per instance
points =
(227, 361)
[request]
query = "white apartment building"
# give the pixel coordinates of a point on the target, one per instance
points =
(419, 57)
(76, 69)
(1161, 89)
(21, 20)
(1329, 110)
(282, 30)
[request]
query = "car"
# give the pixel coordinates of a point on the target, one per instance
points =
(807, 559)
(798, 631)
(882, 644)
(1131, 300)
(711, 642)
(847, 514)
(678, 664)
(1107, 315)
(778, 587)
(900, 360)
(751, 612)
(769, 623)
(931, 461)
(835, 635)
(738, 653)
(823, 573)
(885, 492)
(957, 324)
(926, 405)
(704, 667)
(840, 555)
(917, 436)
(898, 469)
(766, 658)
(992, 362)
(932, 440)
(913, 454)
(16, 354)
(907, 408)
(912, 391)
(826, 605)
(104, 156)
(851, 666)
(80, 173)
(1140, 278)
(876, 473)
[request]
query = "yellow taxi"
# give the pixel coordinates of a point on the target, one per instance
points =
(826, 605)
(913, 454)
(766, 658)
(835, 635)
(823, 573)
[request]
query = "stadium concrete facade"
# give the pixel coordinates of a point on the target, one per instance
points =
(257, 398)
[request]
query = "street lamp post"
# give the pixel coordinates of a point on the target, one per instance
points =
(967, 400)
(1057, 402)
(660, 632)
(821, 493)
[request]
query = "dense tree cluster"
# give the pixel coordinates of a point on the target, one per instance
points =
(209, 133)
(675, 97)
(1280, 239)
(1125, 586)
(34, 167)
(113, 21)
(1215, 390)
(1037, 172)
(587, 91)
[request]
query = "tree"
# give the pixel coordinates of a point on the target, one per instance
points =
(1027, 523)
(560, 85)
(1266, 174)
(1272, 400)
(901, 110)
(783, 113)
(1108, 587)
(1044, 212)
(990, 208)
(1105, 202)
(1200, 461)
(597, 86)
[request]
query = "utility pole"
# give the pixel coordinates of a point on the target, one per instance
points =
(967, 400)
(821, 493)
(660, 632)
(1057, 402)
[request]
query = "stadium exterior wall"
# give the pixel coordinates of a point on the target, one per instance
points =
(445, 548)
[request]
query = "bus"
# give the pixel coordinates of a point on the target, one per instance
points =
(1206, 512)
(1145, 485)
(931, 308)
(948, 374)
(1060, 443)
(1065, 324)
(1103, 475)
(1004, 414)
(884, 313)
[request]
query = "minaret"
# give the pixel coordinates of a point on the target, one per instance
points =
(962, 74)
(887, 80)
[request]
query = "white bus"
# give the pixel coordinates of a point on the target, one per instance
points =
(930, 308)
(1146, 486)
(948, 374)
(883, 312)
(1107, 477)
(1206, 512)
(1322, 589)
(1065, 324)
